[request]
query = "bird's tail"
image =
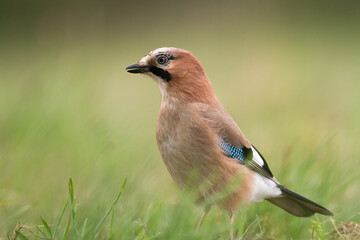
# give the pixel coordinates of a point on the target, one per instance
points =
(296, 204)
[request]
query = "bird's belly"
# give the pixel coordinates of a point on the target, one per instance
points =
(176, 159)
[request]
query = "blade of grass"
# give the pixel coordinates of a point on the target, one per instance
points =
(112, 222)
(66, 229)
(46, 225)
(73, 209)
(83, 229)
(71, 191)
(100, 224)
(21, 236)
(44, 235)
(60, 219)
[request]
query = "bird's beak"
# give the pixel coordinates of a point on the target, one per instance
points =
(136, 68)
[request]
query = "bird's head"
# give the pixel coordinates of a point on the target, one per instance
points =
(178, 73)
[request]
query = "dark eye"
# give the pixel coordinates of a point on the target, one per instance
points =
(162, 60)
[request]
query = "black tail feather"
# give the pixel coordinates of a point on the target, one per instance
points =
(297, 205)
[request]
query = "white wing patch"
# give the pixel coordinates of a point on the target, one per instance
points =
(257, 158)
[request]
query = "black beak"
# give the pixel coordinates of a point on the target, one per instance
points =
(136, 68)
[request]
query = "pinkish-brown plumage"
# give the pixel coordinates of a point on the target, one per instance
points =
(187, 124)
(197, 137)
(183, 132)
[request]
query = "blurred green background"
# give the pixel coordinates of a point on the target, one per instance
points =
(288, 73)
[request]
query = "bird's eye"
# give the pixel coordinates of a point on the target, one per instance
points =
(162, 60)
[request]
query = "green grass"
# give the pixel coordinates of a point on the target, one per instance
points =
(69, 110)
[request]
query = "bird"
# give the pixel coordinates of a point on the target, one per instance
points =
(203, 148)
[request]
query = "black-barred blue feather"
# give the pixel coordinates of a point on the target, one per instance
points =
(232, 151)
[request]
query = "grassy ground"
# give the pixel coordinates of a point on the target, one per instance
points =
(68, 109)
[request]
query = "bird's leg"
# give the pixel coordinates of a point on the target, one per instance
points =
(206, 210)
(231, 233)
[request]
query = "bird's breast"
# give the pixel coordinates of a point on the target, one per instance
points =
(174, 142)
(185, 141)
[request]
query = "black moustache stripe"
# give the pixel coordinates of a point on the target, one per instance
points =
(165, 75)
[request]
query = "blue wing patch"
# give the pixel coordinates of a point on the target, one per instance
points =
(231, 151)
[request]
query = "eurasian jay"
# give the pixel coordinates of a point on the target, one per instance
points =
(202, 146)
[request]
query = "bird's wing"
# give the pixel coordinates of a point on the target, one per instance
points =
(234, 144)
(249, 157)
